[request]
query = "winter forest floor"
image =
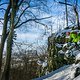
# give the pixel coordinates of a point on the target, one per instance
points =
(66, 72)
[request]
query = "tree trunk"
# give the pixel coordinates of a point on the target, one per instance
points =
(77, 15)
(77, 18)
(4, 34)
(5, 74)
(66, 13)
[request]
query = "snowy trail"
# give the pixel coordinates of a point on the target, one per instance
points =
(51, 74)
(62, 75)
(66, 74)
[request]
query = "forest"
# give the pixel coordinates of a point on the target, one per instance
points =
(39, 39)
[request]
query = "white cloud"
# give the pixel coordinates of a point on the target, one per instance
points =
(27, 36)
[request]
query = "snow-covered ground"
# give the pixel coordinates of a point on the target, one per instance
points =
(64, 73)
(77, 78)
(52, 73)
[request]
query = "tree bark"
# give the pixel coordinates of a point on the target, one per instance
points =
(6, 72)
(4, 34)
(77, 15)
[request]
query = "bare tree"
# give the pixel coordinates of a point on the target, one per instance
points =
(76, 13)
(13, 19)
(4, 33)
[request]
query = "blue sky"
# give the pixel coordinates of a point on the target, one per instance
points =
(35, 33)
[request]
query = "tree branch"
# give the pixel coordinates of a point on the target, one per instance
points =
(31, 20)
(65, 3)
(3, 3)
(41, 24)
(20, 3)
(21, 15)
(2, 9)
(1, 22)
(1, 18)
